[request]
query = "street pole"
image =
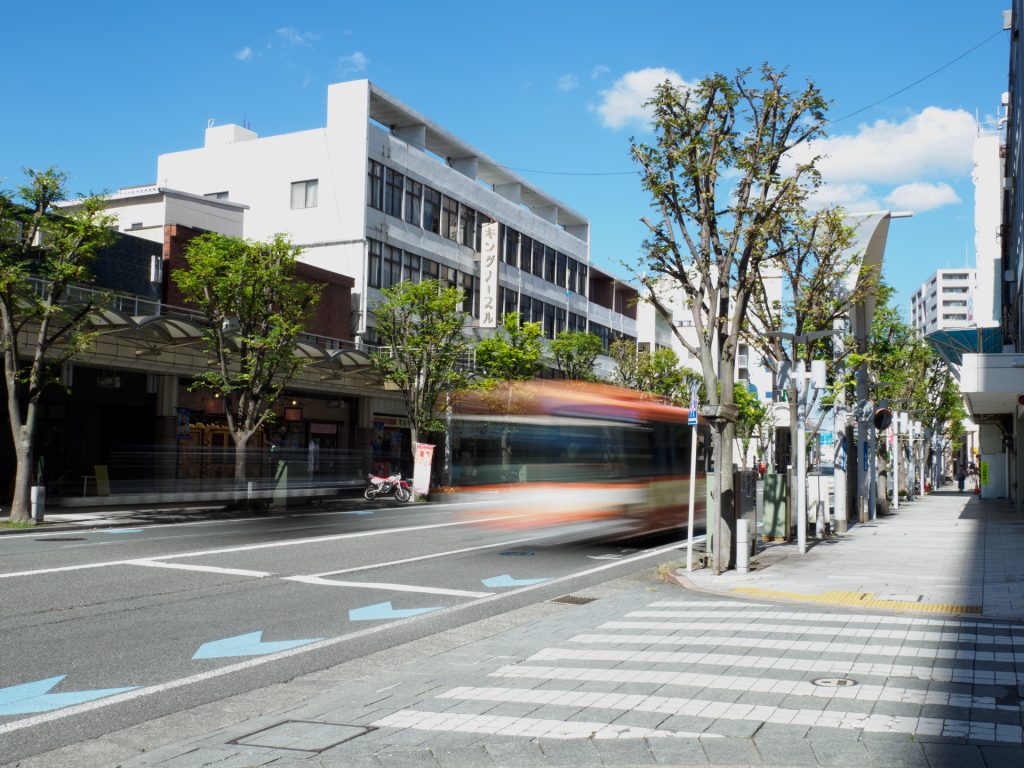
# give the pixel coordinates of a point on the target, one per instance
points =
(895, 457)
(872, 472)
(801, 458)
(862, 448)
(693, 477)
(839, 429)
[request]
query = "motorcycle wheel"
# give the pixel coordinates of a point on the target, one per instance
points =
(402, 493)
(370, 493)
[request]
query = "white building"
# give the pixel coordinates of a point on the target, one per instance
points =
(946, 300)
(382, 194)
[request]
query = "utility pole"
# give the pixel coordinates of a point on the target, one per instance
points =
(841, 459)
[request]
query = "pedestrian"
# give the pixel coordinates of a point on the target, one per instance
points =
(961, 477)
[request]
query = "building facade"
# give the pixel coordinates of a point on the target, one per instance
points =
(945, 300)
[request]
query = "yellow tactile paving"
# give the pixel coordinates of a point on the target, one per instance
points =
(858, 600)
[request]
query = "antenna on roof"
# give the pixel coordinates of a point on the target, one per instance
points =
(209, 122)
(245, 122)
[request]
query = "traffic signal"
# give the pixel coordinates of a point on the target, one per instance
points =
(882, 417)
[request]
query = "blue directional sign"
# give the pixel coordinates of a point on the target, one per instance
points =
(29, 698)
(249, 644)
(691, 417)
(385, 611)
(507, 581)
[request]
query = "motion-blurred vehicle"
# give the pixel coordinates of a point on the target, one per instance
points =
(573, 460)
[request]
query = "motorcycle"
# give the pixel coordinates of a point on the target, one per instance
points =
(384, 486)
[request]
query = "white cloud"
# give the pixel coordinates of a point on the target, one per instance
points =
(922, 196)
(598, 71)
(935, 142)
(623, 103)
(245, 54)
(567, 82)
(354, 62)
(852, 196)
(293, 36)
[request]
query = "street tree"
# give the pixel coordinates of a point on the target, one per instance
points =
(44, 322)
(752, 418)
(575, 353)
(255, 308)
(722, 183)
(658, 372)
(423, 348)
(513, 353)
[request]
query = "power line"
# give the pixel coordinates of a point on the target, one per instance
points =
(827, 122)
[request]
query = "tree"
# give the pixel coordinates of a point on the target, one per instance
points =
(722, 183)
(420, 326)
(575, 353)
(752, 418)
(43, 322)
(255, 308)
(658, 372)
(513, 353)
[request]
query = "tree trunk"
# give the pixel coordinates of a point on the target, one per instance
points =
(727, 518)
(20, 506)
(241, 459)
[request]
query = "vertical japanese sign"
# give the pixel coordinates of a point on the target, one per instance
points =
(421, 470)
(489, 275)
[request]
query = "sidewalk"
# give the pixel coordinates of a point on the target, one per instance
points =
(947, 552)
(852, 655)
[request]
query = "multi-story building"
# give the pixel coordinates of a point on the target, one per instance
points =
(945, 300)
(383, 194)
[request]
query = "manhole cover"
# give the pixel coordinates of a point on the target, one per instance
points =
(303, 735)
(834, 682)
(573, 599)
(64, 538)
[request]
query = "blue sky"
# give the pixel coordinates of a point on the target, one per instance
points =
(551, 89)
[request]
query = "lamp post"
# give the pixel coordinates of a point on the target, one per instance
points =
(800, 378)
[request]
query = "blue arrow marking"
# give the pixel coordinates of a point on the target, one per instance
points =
(249, 644)
(358, 512)
(507, 581)
(29, 698)
(385, 611)
(124, 530)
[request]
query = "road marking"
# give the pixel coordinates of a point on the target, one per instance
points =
(254, 547)
(859, 600)
(381, 611)
(418, 558)
(248, 644)
(505, 580)
(387, 586)
(35, 697)
(524, 726)
(851, 618)
(206, 568)
(170, 685)
(717, 710)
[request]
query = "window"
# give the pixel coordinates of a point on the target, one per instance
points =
(431, 270)
(219, 196)
(549, 321)
(560, 324)
(411, 267)
(526, 254)
(393, 186)
(373, 264)
(481, 219)
(304, 194)
(549, 264)
(467, 226)
(467, 284)
(510, 247)
(391, 268)
(449, 278)
(581, 280)
(413, 201)
(560, 270)
(571, 272)
(508, 301)
(538, 258)
(450, 219)
(431, 210)
(375, 190)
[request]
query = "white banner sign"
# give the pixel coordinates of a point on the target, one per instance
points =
(421, 470)
(489, 275)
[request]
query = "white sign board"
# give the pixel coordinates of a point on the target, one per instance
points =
(489, 275)
(421, 469)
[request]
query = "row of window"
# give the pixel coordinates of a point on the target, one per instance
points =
(530, 255)
(388, 265)
(415, 203)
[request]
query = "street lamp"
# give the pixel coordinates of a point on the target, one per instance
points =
(800, 377)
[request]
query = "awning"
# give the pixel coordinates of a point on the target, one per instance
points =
(953, 343)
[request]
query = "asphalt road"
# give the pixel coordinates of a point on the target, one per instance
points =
(105, 628)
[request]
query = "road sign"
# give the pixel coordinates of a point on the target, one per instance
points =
(825, 438)
(691, 417)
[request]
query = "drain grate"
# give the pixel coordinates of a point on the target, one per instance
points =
(573, 599)
(303, 735)
(834, 682)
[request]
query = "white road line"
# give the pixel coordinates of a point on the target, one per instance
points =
(524, 726)
(916, 636)
(138, 693)
(206, 568)
(857, 649)
(425, 557)
(830, 667)
(715, 710)
(383, 585)
(254, 547)
(775, 613)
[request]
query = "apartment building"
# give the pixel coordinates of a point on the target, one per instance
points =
(945, 300)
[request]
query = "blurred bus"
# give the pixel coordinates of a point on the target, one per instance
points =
(576, 461)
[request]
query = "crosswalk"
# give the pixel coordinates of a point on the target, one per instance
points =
(714, 661)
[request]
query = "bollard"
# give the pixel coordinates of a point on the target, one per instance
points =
(38, 498)
(742, 546)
